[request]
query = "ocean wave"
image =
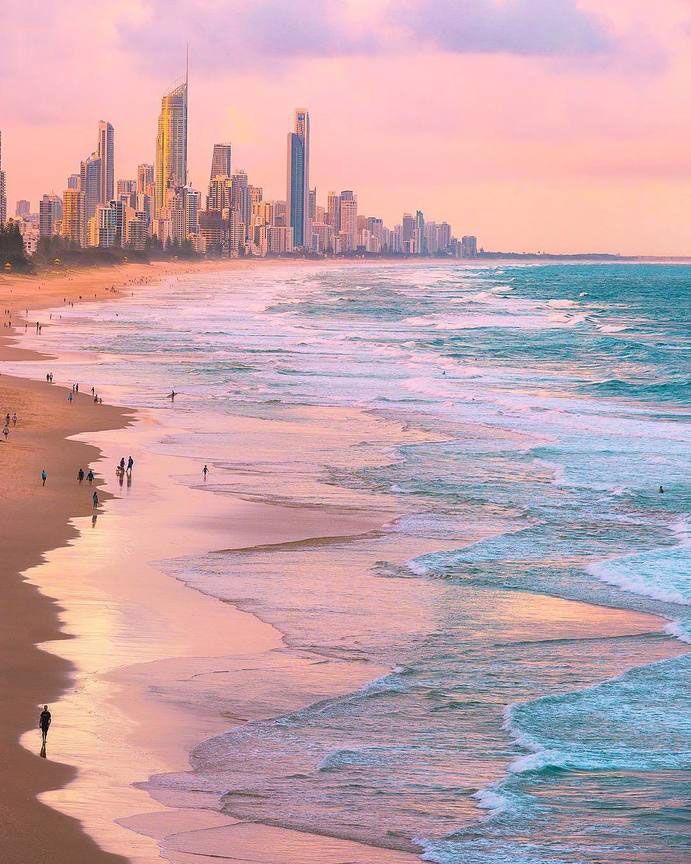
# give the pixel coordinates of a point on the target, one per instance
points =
(637, 722)
(662, 574)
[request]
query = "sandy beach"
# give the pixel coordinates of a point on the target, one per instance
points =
(36, 668)
(138, 666)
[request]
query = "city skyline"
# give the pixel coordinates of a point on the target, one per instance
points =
(565, 137)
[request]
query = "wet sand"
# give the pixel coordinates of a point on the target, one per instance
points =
(36, 519)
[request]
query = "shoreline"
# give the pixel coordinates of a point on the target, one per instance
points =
(38, 520)
(206, 614)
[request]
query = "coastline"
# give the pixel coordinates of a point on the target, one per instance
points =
(37, 520)
(42, 656)
(190, 623)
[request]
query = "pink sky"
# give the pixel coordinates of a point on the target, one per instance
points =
(560, 125)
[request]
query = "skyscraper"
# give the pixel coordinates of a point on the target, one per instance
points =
(50, 213)
(349, 220)
(333, 211)
(3, 189)
(74, 217)
(145, 179)
(106, 153)
(90, 184)
(23, 209)
(298, 179)
(221, 163)
(171, 143)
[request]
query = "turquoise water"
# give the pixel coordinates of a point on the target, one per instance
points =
(557, 397)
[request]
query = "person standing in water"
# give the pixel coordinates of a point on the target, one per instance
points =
(44, 722)
(94, 498)
(130, 464)
(205, 471)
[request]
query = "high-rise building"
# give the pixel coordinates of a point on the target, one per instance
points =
(221, 162)
(3, 189)
(193, 203)
(469, 246)
(74, 217)
(106, 153)
(145, 180)
(23, 209)
(125, 187)
(105, 222)
(333, 211)
(49, 214)
(280, 214)
(73, 181)
(408, 226)
(218, 197)
(298, 179)
(171, 144)
(240, 198)
(348, 228)
(90, 178)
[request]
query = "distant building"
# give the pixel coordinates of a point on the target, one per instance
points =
(74, 217)
(171, 144)
(221, 161)
(137, 231)
(280, 240)
(106, 153)
(469, 246)
(90, 179)
(125, 187)
(348, 219)
(106, 225)
(297, 199)
(333, 211)
(73, 181)
(49, 215)
(145, 180)
(30, 236)
(23, 209)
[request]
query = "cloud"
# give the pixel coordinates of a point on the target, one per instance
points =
(524, 27)
(237, 34)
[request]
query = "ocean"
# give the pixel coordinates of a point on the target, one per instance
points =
(525, 717)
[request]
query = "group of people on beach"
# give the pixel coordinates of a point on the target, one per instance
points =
(9, 419)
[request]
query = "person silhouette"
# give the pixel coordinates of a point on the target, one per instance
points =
(44, 722)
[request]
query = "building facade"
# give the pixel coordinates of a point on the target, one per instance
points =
(298, 179)
(171, 145)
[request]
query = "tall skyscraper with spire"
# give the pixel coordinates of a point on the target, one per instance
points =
(106, 153)
(171, 143)
(298, 179)
(221, 165)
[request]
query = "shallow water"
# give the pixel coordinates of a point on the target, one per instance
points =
(518, 723)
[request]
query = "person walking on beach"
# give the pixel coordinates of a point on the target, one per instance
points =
(80, 474)
(69, 397)
(44, 722)
(90, 476)
(44, 477)
(94, 498)
(205, 471)
(130, 464)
